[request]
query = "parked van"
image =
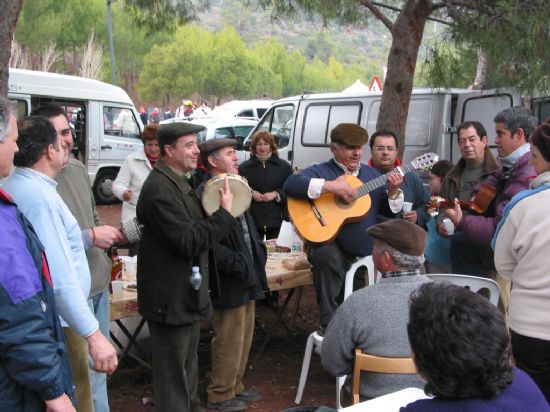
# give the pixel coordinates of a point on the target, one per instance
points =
(253, 109)
(105, 122)
(302, 124)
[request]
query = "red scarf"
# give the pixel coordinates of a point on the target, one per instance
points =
(152, 160)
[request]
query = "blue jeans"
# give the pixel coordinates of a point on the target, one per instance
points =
(100, 307)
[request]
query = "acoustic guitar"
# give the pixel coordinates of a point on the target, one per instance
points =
(319, 220)
(479, 203)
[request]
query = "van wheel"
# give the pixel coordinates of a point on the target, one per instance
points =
(103, 187)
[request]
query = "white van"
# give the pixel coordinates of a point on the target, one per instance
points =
(106, 124)
(302, 124)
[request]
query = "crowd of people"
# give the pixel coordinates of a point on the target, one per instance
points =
(186, 111)
(195, 266)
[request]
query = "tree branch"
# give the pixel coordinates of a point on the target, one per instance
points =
(377, 13)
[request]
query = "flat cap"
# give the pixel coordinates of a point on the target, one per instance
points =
(401, 235)
(168, 133)
(349, 134)
(211, 145)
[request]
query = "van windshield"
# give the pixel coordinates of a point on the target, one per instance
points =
(278, 122)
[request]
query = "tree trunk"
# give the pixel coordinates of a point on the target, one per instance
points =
(481, 71)
(407, 34)
(8, 20)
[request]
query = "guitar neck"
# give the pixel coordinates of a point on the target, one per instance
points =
(380, 181)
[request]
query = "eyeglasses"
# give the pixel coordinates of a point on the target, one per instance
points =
(385, 148)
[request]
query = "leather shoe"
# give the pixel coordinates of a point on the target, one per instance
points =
(229, 405)
(249, 395)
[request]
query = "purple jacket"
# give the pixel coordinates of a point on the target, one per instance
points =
(480, 229)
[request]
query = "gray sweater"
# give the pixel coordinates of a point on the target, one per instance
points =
(373, 319)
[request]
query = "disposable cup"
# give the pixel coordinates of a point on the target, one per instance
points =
(449, 226)
(117, 288)
(407, 206)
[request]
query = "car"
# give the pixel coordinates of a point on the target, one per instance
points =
(252, 109)
(232, 127)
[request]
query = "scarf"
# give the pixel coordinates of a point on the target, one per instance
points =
(264, 158)
(152, 160)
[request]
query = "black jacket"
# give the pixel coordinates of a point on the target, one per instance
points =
(176, 237)
(241, 275)
(267, 177)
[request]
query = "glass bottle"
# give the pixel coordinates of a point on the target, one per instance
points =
(195, 280)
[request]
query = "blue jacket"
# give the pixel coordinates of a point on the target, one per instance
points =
(34, 362)
(352, 239)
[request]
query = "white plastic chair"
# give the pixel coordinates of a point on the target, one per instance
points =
(474, 283)
(315, 340)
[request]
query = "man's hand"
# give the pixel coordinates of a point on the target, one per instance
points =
(60, 404)
(454, 214)
(102, 352)
(410, 216)
(226, 197)
(127, 195)
(395, 180)
(106, 236)
(340, 187)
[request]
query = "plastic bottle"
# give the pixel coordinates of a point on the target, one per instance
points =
(116, 265)
(195, 279)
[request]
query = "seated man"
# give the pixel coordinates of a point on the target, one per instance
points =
(461, 349)
(375, 318)
(330, 261)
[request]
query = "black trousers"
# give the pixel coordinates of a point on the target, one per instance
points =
(533, 356)
(330, 265)
(469, 258)
(175, 366)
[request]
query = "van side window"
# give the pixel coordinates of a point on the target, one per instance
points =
(278, 122)
(21, 108)
(316, 132)
(119, 121)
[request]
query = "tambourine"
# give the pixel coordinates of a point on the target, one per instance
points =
(132, 229)
(242, 194)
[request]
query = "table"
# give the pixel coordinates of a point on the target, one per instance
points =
(121, 307)
(388, 403)
(278, 278)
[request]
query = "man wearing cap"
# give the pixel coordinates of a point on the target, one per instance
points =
(375, 318)
(240, 265)
(331, 261)
(176, 237)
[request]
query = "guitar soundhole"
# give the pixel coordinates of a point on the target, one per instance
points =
(342, 204)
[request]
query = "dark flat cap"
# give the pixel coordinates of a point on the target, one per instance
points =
(211, 145)
(401, 235)
(168, 133)
(349, 134)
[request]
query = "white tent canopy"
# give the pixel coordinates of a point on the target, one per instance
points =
(356, 87)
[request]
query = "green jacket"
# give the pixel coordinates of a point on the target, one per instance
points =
(176, 236)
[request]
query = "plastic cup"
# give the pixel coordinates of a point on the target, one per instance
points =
(407, 207)
(130, 269)
(449, 226)
(117, 288)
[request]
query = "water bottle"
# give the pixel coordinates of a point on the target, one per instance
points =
(195, 280)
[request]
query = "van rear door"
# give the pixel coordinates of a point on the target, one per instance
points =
(482, 106)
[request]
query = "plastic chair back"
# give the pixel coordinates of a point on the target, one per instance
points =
(476, 284)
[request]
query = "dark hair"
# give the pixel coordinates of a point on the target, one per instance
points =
(36, 134)
(149, 132)
(267, 137)
(480, 130)
(460, 342)
(50, 110)
(541, 139)
(383, 132)
(441, 168)
(518, 117)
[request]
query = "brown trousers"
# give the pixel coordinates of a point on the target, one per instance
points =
(233, 329)
(77, 349)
